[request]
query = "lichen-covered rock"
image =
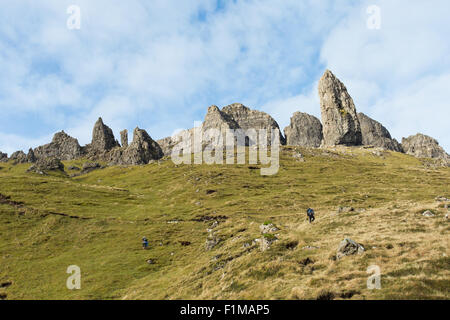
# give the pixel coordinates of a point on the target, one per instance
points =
(63, 147)
(340, 122)
(268, 228)
(304, 130)
(375, 134)
(422, 146)
(349, 247)
(18, 157)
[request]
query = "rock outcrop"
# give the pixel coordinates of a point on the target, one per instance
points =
(422, 146)
(19, 157)
(167, 144)
(124, 138)
(339, 119)
(304, 130)
(31, 158)
(375, 134)
(216, 119)
(63, 147)
(102, 138)
(3, 157)
(43, 165)
(140, 151)
(234, 116)
(246, 118)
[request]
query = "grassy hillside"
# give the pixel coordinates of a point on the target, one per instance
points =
(97, 220)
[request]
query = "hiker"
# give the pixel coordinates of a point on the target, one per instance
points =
(310, 214)
(144, 243)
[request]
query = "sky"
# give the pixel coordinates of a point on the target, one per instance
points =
(159, 64)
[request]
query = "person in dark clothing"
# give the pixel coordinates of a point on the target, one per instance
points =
(310, 214)
(144, 243)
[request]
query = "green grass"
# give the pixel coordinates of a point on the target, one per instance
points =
(108, 211)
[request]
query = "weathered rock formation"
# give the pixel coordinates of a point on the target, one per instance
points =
(422, 146)
(246, 118)
(348, 247)
(63, 147)
(18, 157)
(234, 116)
(43, 165)
(216, 119)
(124, 138)
(304, 130)
(31, 158)
(3, 157)
(102, 138)
(340, 122)
(140, 151)
(375, 134)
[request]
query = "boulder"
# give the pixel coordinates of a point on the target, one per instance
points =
(268, 228)
(124, 138)
(211, 242)
(422, 146)
(339, 119)
(19, 157)
(428, 213)
(304, 130)
(375, 134)
(349, 247)
(43, 165)
(63, 147)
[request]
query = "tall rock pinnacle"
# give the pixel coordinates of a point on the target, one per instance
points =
(102, 137)
(340, 121)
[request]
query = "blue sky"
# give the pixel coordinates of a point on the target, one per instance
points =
(160, 64)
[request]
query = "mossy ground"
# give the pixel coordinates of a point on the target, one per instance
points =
(108, 211)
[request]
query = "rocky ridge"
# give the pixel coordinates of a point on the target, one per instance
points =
(341, 125)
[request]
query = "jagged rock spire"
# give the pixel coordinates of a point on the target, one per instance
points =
(102, 137)
(339, 119)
